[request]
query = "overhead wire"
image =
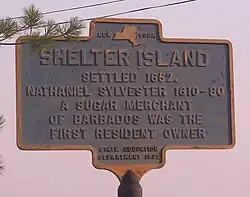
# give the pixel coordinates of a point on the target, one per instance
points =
(117, 14)
(127, 12)
(73, 8)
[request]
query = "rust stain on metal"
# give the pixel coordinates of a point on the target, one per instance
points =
(186, 56)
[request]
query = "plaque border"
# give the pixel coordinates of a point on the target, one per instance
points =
(120, 169)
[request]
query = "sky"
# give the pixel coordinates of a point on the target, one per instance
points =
(191, 173)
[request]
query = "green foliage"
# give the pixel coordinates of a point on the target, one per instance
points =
(40, 33)
(32, 17)
(39, 30)
(2, 124)
(1, 166)
(8, 28)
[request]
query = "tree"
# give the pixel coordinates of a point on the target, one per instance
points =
(2, 123)
(41, 31)
(1, 167)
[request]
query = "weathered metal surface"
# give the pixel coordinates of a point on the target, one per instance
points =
(127, 94)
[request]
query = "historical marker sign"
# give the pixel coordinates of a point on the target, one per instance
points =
(125, 93)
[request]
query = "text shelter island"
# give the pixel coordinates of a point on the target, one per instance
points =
(126, 93)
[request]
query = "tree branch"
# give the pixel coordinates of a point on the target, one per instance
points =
(41, 30)
(2, 124)
(2, 168)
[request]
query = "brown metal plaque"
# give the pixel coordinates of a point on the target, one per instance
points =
(127, 94)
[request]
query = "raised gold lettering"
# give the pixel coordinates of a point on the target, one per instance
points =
(121, 91)
(191, 118)
(67, 133)
(110, 77)
(126, 133)
(64, 106)
(102, 119)
(57, 91)
(154, 105)
(159, 118)
(119, 157)
(96, 105)
(184, 133)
